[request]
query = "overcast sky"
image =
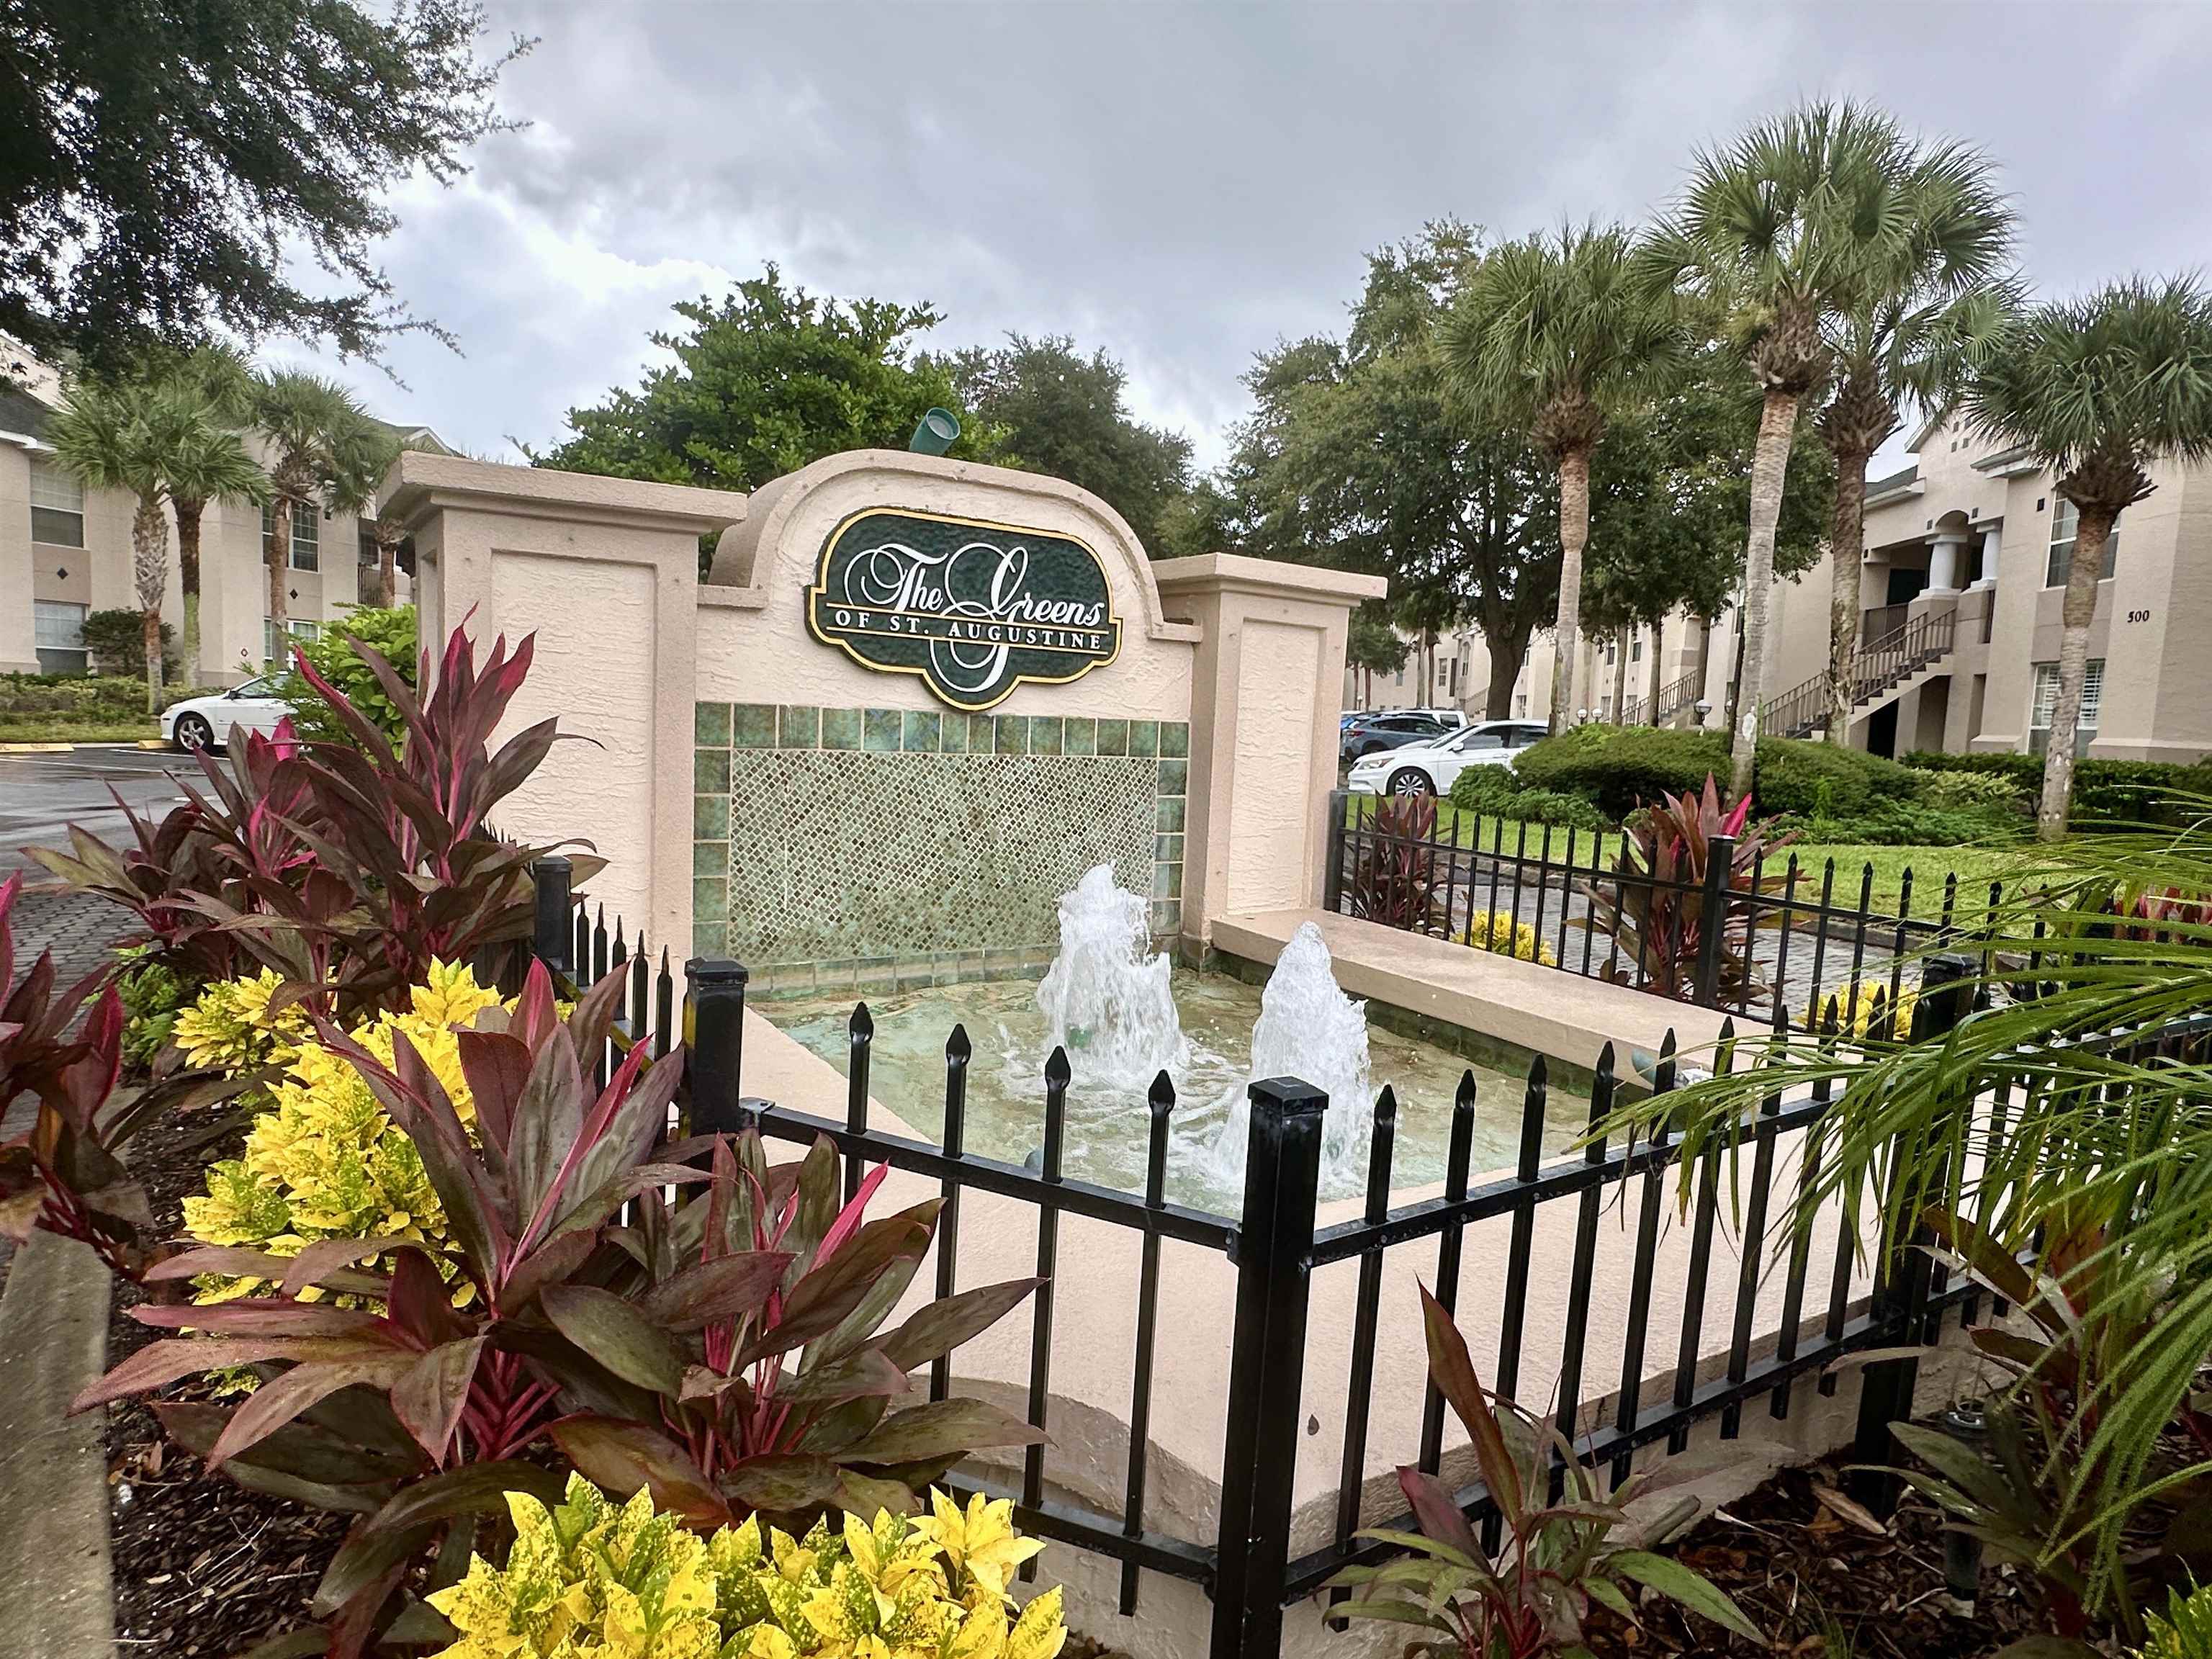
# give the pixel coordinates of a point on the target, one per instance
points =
(1185, 184)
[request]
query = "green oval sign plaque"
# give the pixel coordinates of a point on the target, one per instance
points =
(974, 608)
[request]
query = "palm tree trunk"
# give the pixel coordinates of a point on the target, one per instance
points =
(1653, 679)
(1621, 677)
(1777, 421)
(1574, 536)
(280, 545)
(149, 570)
(188, 577)
(2080, 606)
(387, 576)
(1846, 548)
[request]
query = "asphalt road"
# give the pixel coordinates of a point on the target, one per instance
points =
(41, 795)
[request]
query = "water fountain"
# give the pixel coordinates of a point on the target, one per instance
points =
(1308, 1028)
(1106, 999)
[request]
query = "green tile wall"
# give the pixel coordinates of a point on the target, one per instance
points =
(869, 848)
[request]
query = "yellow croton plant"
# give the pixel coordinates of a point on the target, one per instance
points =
(325, 1162)
(589, 1579)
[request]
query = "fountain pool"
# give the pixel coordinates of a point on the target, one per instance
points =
(1107, 1121)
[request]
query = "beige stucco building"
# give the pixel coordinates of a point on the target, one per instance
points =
(65, 552)
(1958, 598)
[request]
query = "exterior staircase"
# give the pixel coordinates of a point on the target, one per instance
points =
(1880, 674)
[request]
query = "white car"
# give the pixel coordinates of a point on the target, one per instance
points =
(199, 723)
(1429, 768)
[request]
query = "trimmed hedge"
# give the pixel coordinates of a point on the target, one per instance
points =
(2107, 794)
(79, 699)
(1495, 791)
(1622, 767)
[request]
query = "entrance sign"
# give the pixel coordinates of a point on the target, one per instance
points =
(974, 608)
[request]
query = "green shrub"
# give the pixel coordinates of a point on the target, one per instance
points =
(1990, 792)
(391, 634)
(1562, 811)
(78, 699)
(2107, 794)
(1492, 789)
(2185, 1631)
(1794, 776)
(1620, 767)
(117, 639)
(1904, 824)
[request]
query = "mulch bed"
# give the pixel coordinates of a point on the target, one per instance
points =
(1825, 1580)
(204, 1568)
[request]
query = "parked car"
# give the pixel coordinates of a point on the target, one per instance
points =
(1372, 733)
(207, 722)
(1430, 766)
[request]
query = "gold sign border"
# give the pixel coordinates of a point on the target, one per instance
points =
(816, 588)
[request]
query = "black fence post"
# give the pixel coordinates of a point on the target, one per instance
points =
(1947, 992)
(1712, 918)
(1331, 879)
(551, 934)
(715, 1042)
(1274, 1268)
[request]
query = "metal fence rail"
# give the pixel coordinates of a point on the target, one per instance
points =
(1276, 1248)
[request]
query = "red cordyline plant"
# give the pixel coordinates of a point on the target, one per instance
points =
(1557, 1559)
(65, 1174)
(1655, 907)
(346, 868)
(775, 1390)
(1394, 880)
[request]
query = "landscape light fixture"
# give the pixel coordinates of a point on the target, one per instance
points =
(935, 433)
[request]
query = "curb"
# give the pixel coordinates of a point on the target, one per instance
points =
(36, 748)
(53, 1467)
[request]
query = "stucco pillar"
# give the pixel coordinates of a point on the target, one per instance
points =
(605, 572)
(1992, 537)
(1946, 553)
(1263, 727)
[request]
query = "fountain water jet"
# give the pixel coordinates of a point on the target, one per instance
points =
(1308, 1028)
(1106, 997)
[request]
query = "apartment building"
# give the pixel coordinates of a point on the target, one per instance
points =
(1959, 590)
(65, 552)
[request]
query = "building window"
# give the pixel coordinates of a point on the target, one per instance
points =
(57, 507)
(2046, 704)
(271, 650)
(2065, 524)
(306, 535)
(1636, 648)
(59, 630)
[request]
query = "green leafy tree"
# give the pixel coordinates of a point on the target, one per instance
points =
(1060, 412)
(1557, 333)
(1200, 520)
(1934, 297)
(1372, 645)
(161, 159)
(314, 428)
(1776, 235)
(1358, 457)
(766, 381)
(116, 641)
(2096, 390)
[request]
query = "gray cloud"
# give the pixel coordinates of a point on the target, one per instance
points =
(1185, 184)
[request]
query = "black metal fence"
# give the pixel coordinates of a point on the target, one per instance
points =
(1805, 934)
(1277, 1249)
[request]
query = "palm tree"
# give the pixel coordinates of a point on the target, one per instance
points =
(362, 461)
(1558, 331)
(1778, 234)
(1908, 334)
(111, 437)
(306, 421)
(2096, 389)
(213, 464)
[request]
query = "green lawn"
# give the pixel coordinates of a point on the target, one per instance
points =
(37, 730)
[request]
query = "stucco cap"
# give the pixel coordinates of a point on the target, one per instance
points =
(420, 479)
(738, 570)
(1249, 575)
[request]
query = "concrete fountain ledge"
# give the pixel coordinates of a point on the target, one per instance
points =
(1563, 1017)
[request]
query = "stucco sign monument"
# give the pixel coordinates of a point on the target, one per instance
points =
(974, 608)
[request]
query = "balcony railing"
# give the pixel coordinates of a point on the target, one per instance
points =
(1893, 658)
